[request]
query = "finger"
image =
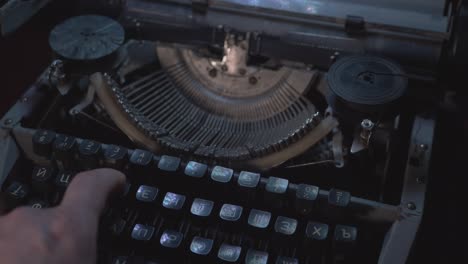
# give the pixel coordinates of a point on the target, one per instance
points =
(89, 191)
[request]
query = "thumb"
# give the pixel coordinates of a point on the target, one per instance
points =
(88, 192)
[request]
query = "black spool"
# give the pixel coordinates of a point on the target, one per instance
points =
(365, 87)
(87, 43)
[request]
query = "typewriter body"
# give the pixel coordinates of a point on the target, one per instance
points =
(249, 131)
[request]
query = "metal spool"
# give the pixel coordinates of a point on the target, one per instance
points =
(88, 42)
(365, 87)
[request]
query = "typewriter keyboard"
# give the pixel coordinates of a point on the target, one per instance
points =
(184, 211)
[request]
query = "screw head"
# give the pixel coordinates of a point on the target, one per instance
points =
(57, 63)
(242, 71)
(411, 206)
(367, 124)
(24, 99)
(213, 72)
(422, 147)
(253, 80)
(224, 68)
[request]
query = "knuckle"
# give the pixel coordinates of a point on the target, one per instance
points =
(60, 231)
(40, 242)
(58, 226)
(34, 229)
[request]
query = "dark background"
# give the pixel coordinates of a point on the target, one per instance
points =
(25, 53)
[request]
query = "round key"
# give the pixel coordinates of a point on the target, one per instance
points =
(141, 163)
(142, 232)
(305, 198)
(42, 178)
(229, 253)
(42, 142)
(16, 194)
(38, 204)
(256, 257)
(64, 147)
(89, 153)
(115, 157)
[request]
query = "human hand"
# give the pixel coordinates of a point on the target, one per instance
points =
(64, 234)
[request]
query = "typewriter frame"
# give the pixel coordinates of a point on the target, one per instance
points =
(16, 140)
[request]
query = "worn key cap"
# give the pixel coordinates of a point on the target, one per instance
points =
(256, 257)
(229, 254)
(147, 194)
(169, 173)
(316, 231)
(195, 169)
(201, 246)
(174, 207)
(275, 192)
(64, 151)
(169, 163)
(16, 194)
(344, 241)
(201, 250)
(117, 226)
(221, 174)
(171, 239)
(221, 179)
(195, 176)
(89, 153)
(259, 219)
(247, 183)
(142, 232)
(306, 195)
(63, 179)
(285, 230)
(339, 198)
(120, 260)
(231, 216)
(259, 222)
(141, 164)
(115, 157)
(316, 240)
(230, 212)
(42, 143)
(286, 260)
(201, 211)
(174, 201)
(38, 204)
(338, 202)
(42, 179)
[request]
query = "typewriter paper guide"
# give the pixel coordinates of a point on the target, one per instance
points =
(425, 15)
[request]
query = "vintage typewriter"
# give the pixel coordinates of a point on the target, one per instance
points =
(250, 131)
